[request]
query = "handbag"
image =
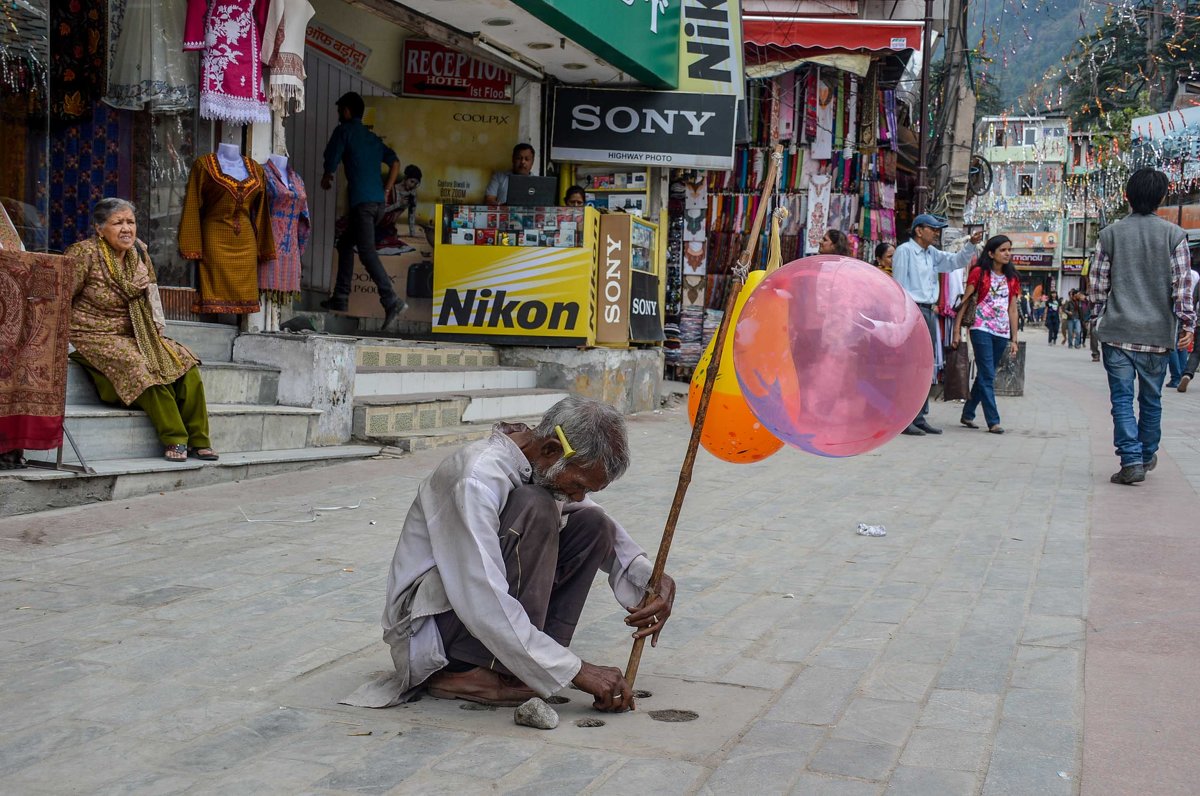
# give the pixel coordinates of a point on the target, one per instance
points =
(957, 377)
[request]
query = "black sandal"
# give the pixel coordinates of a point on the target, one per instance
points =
(175, 453)
(206, 454)
(967, 423)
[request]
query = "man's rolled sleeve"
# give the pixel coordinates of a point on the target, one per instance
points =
(1181, 265)
(1099, 279)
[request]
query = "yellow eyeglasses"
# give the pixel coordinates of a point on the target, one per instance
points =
(568, 451)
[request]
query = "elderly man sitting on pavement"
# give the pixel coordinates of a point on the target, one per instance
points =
(495, 561)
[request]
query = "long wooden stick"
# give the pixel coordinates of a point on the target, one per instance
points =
(689, 459)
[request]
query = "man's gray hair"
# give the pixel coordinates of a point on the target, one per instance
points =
(103, 210)
(595, 431)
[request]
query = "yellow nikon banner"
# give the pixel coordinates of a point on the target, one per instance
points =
(532, 295)
(710, 48)
(457, 145)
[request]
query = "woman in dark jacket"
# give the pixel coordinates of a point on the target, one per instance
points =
(1052, 317)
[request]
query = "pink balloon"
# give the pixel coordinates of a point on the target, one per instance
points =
(832, 355)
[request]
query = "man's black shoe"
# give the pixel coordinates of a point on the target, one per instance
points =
(334, 304)
(913, 431)
(928, 429)
(1129, 474)
(1150, 463)
(392, 313)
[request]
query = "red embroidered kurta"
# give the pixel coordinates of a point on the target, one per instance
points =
(230, 36)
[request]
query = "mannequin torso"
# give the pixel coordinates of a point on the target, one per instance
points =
(281, 163)
(229, 158)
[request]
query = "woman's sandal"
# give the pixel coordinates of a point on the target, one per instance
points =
(207, 454)
(967, 423)
(175, 453)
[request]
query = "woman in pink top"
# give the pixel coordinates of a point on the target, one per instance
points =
(993, 329)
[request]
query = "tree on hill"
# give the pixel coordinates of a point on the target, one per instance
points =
(1133, 60)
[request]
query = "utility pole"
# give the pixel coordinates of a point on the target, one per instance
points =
(923, 112)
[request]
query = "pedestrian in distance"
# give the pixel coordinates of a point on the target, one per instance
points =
(883, 257)
(1052, 317)
(916, 265)
(1142, 292)
(1024, 310)
(362, 153)
(835, 242)
(995, 284)
(1070, 314)
(1193, 360)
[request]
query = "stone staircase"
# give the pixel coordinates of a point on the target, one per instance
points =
(254, 434)
(415, 396)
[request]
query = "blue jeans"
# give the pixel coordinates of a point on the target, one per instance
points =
(1074, 333)
(1136, 438)
(1177, 362)
(989, 350)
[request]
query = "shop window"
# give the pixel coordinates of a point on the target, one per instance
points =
(1031, 136)
(998, 138)
(1025, 184)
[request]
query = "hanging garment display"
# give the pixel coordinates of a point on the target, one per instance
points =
(822, 143)
(283, 53)
(226, 225)
(280, 278)
(78, 57)
(149, 66)
(818, 211)
(231, 67)
(35, 306)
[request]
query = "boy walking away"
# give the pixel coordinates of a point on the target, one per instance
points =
(362, 153)
(1141, 290)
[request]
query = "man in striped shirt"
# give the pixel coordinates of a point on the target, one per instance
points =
(1140, 288)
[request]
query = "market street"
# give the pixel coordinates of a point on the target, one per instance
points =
(166, 645)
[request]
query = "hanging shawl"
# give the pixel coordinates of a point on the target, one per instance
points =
(283, 53)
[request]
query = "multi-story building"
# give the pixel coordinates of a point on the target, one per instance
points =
(1028, 155)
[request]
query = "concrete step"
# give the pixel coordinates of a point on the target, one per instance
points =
(106, 433)
(383, 352)
(212, 342)
(35, 489)
(389, 416)
(450, 437)
(224, 383)
(444, 379)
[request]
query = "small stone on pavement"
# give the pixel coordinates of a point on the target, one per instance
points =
(536, 713)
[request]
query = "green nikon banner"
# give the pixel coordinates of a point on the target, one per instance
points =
(640, 37)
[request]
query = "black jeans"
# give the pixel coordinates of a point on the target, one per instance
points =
(931, 319)
(360, 233)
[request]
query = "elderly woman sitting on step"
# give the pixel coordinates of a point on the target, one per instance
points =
(117, 326)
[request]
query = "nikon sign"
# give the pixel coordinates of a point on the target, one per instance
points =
(644, 128)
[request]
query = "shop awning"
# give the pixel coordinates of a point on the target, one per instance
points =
(773, 38)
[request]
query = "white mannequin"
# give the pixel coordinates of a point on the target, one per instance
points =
(229, 158)
(281, 163)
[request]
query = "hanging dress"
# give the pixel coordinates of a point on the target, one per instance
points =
(280, 278)
(231, 67)
(226, 225)
(149, 65)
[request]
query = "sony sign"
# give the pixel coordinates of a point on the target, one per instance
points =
(654, 128)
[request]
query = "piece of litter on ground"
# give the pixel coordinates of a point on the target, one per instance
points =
(789, 596)
(871, 530)
(372, 522)
(312, 518)
(338, 508)
(536, 713)
(347, 569)
(1064, 775)
(359, 734)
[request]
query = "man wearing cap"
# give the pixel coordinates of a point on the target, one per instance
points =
(915, 265)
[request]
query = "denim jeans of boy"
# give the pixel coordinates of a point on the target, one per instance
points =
(989, 350)
(1135, 437)
(1176, 365)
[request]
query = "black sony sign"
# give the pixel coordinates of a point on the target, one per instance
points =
(647, 128)
(645, 314)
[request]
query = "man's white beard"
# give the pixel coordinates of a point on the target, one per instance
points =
(545, 479)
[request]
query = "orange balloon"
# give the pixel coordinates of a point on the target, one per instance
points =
(731, 431)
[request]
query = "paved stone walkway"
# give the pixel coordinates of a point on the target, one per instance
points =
(167, 645)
